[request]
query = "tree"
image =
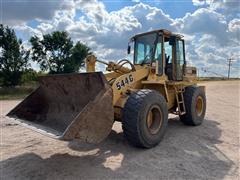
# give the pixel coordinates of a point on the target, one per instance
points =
(29, 76)
(57, 54)
(78, 53)
(13, 57)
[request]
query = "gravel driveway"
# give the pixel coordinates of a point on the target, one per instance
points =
(209, 151)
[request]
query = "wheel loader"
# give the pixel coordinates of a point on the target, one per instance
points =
(139, 93)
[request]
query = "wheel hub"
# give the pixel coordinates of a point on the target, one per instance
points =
(199, 105)
(154, 119)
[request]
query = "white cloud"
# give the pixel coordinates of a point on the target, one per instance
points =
(27, 31)
(224, 4)
(94, 10)
(198, 2)
(113, 30)
(210, 36)
(206, 52)
(234, 26)
(229, 7)
(136, 1)
(205, 21)
(234, 30)
(212, 39)
(18, 12)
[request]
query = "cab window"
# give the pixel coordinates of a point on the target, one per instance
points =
(158, 55)
(179, 59)
(144, 48)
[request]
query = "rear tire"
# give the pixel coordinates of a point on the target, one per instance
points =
(195, 103)
(145, 118)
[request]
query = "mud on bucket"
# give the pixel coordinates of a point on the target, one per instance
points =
(68, 107)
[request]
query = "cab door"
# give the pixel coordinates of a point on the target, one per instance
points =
(179, 60)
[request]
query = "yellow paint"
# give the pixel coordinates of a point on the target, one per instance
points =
(125, 80)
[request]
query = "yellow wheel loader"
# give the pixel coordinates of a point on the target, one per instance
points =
(140, 94)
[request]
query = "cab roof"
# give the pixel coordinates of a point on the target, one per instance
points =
(163, 31)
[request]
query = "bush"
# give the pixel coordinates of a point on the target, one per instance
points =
(7, 93)
(29, 76)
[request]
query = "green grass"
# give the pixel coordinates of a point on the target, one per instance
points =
(11, 93)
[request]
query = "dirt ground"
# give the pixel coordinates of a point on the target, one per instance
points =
(209, 151)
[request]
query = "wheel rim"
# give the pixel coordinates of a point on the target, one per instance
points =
(154, 119)
(199, 105)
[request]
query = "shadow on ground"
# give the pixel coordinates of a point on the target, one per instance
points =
(185, 153)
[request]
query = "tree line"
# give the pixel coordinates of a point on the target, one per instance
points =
(55, 53)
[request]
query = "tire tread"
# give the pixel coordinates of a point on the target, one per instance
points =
(133, 106)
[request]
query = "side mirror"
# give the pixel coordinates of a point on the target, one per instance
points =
(129, 49)
(172, 40)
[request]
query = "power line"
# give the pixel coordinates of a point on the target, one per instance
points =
(230, 61)
(212, 72)
(229, 66)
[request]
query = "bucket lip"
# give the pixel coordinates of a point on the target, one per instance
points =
(37, 127)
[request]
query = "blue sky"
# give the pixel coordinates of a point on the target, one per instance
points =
(175, 8)
(211, 27)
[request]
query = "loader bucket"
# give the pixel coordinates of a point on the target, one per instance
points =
(72, 106)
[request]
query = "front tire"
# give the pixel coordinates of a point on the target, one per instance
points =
(195, 103)
(145, 118)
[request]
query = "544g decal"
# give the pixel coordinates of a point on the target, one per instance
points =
(124, 82)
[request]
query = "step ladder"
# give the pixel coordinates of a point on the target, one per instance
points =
(181, 109)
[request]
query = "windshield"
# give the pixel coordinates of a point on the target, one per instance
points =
(144, 48)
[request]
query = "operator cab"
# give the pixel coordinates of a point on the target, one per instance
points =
(162, 49)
